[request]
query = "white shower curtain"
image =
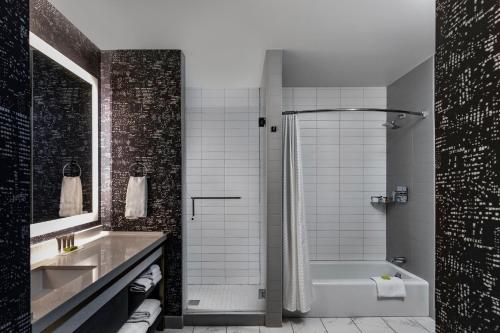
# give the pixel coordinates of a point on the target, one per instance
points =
(297, 284)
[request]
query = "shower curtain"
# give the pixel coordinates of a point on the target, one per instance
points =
(297, 284)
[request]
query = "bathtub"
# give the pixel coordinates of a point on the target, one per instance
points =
(344, 289)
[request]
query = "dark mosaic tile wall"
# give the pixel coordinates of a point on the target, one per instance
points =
(105, 140)
(141, 120)
(62, 132)
(53, 27)
(14, 167)
(468, 166)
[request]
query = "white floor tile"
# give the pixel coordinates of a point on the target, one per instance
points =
(185, 329)
(327, 325)
(340, 325)
(286, 328)
(426, 322)
(242, 329)
(372, 325)
(404, 325)
(209, 329)
(307, 325)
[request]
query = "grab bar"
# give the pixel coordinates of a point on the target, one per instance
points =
(209, 198)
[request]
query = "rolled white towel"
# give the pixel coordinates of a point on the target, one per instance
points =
(136, 203)
(141, 285)
(71, 201)
(156, 278)
(146, 309)
(153, 273)
(136, 327)
(153, 269)
(392, 288)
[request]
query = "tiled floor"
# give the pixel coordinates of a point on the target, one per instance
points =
(225, 298)
(328, 325)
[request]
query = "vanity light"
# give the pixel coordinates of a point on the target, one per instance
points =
(41, 228)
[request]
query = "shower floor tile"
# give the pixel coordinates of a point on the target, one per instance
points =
(224, 298)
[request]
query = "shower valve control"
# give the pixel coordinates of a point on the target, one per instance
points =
(400, 195)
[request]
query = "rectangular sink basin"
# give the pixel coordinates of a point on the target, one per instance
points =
(44, 279)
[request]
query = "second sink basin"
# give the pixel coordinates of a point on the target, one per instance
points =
(47, 278)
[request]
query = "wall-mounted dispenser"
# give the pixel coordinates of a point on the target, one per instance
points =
(400, 195)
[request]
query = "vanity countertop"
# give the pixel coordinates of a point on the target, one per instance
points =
(107, 256)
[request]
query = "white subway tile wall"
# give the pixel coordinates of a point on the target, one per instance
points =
(344, 160)
(224, 239)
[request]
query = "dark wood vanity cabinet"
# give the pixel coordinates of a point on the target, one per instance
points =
(110, 306)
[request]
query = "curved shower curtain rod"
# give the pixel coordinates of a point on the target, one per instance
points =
(413, 113)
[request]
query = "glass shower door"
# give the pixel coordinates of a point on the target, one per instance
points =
(225, 244)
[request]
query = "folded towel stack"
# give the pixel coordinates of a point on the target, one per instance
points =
(140, 327)
(141, 285)
(147, 279)
(142, 319)
(146, 312)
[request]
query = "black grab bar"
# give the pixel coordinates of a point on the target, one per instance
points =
(209, 198)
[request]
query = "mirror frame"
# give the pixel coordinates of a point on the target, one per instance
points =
(41, 228)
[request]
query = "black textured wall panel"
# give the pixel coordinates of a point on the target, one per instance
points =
(141, 120)
(468, 166)
(54, 28)
(14, 167)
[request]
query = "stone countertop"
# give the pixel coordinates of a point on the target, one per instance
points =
(110, 255)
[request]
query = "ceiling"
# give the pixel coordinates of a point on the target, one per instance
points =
(326, 42)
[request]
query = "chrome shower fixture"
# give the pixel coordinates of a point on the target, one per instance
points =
(391, 125)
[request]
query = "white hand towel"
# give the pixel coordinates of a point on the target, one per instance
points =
(71, 202)
(136, 203)
(141, 285)
(146, 309)
(138, 327)
(393, 288)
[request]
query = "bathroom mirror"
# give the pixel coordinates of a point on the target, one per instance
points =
(64, 141)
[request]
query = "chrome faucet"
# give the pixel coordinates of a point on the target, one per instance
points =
(400, 261)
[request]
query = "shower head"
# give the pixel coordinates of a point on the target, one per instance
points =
(391, 125)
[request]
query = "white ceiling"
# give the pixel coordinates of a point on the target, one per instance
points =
(326, 42)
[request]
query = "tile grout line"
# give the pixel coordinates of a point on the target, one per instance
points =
(389, 325)
(425, 328)
(322, 323)
(359, 328)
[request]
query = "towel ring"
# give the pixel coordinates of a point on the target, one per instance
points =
(144, 169)
(72, 163)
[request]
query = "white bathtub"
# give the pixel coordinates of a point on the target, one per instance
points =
(344, 289)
